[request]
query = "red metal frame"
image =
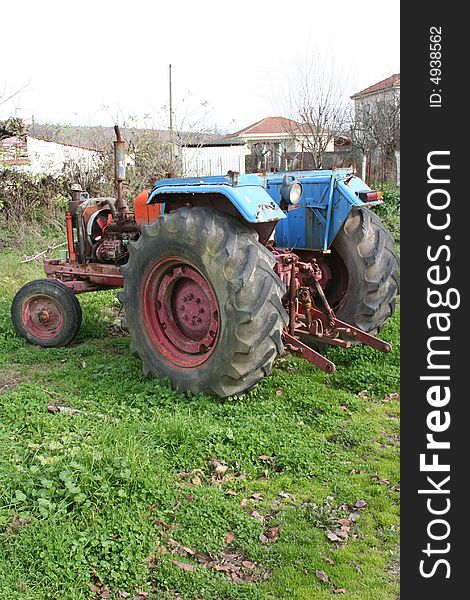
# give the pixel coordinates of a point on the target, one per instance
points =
(303, 289)
(84, 278)
(69, 230)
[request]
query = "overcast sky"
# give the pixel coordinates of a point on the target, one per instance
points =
(99, 61)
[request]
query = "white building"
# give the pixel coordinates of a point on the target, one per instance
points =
(51, 158)
(37, 156)
(213, 158)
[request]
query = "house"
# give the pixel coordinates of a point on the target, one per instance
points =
(377, 129)
(383, 91)
(276, 143)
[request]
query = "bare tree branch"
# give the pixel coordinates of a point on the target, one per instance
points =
(5, 98)
(316, 104)
(377, 125)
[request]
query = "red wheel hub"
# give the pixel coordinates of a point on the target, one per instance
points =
(181, 312)
(43, 317)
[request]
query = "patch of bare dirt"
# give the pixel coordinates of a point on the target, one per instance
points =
(17, 523)
(10, 379)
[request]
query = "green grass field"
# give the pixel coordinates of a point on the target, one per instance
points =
(291, 491)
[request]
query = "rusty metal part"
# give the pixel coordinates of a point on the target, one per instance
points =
(110, 249)
(84, 278)
(72, 205)
(332, 332)
(303, 281)
(306, 301)
(292, 298)
(43, 317)
(128, 226)
(182, 313)
(328, 308)
(295, 346)
(81, 234)
(70, 241)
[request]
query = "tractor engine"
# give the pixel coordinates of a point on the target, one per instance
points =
(97, 233)
(100, 229)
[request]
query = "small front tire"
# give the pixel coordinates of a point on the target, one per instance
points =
(46, 313)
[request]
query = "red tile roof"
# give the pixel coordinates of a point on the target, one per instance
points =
(385, 84)
(267, 126)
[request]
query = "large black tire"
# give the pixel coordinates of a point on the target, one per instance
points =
(238, 270)
(367, 252)
(45, 312)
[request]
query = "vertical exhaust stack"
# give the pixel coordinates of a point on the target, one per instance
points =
(120, 173)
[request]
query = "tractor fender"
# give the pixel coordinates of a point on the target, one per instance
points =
(253, 202)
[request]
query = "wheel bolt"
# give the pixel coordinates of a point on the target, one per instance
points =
(198, 319)
(201, 310)
(198, 300)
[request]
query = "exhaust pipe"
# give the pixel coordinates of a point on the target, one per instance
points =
(120, 173)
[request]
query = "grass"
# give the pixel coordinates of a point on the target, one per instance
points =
(93, 503)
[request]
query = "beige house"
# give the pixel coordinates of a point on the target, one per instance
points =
(382, 91)
(381, 99)
(275, 143)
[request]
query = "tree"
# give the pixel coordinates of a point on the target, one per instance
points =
(316, 104)
(377, 125)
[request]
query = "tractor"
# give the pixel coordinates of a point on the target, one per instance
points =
(222, 274)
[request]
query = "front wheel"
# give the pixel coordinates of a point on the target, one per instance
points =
(45, 312)
(203, 304)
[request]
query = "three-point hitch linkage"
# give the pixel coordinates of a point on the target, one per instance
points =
(304, 295)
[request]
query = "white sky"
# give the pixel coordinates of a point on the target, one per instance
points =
(101, 61)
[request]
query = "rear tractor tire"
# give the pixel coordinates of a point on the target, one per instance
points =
(45, 312)
(366, 274)
(203, 304)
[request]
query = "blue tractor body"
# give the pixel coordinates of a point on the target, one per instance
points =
(326, 200)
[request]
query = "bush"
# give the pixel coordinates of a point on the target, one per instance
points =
(30, 206)
(389, 211)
